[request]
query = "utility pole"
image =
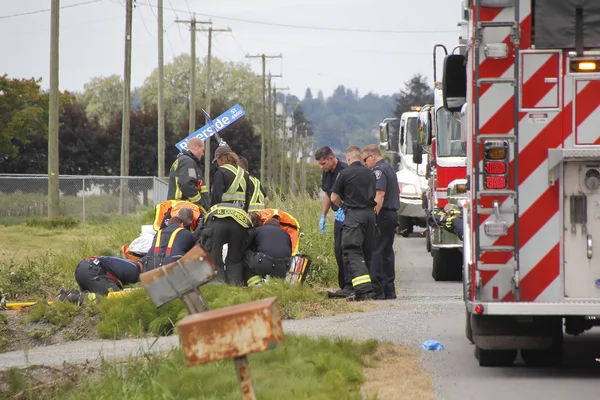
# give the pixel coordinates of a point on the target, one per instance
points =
(161, 82)
(53, 180)
(277, 178)
(126, 108)
(207, 157)
(293, 155)
(270, 136)
(264, 121)
(192, 22)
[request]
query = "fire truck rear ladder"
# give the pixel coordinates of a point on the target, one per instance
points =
(481, 192)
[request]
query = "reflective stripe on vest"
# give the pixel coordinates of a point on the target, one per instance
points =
(254, 280)
(238, 214)
(237, 190)
(157, 245)
(257, 201)
(361, 280)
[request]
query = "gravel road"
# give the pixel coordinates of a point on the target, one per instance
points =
(424, 310)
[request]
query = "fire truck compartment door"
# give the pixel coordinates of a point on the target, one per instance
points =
(582, 229)
(540, 80)
(586, 117)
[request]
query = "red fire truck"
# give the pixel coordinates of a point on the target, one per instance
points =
(527, 89)
(440, 136)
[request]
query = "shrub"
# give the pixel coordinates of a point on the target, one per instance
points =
(52, 223)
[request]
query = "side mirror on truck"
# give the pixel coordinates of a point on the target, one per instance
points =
(425, 128)
(454, 82)
(417, 156)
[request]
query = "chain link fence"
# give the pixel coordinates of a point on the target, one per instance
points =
(83, 197)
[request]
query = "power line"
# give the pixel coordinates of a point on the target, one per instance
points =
(48, 10)
(321, 28)
(238, 44)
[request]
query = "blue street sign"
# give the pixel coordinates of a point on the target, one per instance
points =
(214, 126)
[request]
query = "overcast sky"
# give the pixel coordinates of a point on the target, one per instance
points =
(92, 36)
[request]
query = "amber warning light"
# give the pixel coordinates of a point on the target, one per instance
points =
(584, 66)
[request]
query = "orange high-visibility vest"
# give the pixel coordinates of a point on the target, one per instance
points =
(170, 209)
(287, 222)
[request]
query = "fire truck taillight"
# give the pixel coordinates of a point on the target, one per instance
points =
(495, 164)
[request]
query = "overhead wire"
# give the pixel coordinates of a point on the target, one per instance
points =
(323, 28)
(48, 10)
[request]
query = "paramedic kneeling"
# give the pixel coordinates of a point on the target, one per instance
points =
(103, 274)
(169, 244)
(269, 253)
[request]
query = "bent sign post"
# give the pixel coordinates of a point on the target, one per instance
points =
(216, 125)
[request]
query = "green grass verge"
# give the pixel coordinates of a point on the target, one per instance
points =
(135, 314)
(301, 368)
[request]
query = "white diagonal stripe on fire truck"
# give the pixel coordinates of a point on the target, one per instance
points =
(587, 130)
(553, 291)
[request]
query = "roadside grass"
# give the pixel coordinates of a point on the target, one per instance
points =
(300, 368)
(135, 314)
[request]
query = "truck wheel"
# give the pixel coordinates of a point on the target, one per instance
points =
(495, 358)
(447, 265)
(468, 327)
(427, 240)
(405, 226)
(551, 357)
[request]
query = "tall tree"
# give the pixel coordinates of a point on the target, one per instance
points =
(417, 92)
(23, 113)
(103, 98)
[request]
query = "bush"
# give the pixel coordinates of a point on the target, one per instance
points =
(52, 223)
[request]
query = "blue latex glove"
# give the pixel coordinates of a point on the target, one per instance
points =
(322, 224)
(339, 215)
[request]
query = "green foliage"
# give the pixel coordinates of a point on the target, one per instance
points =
(67, 222)
(136, 315)
(36, 312)
(103, 98)
(318, 245)
(345, 118)
(417, 92)
(42, 276)
(60, 313)
(23, 109)
(300, 368)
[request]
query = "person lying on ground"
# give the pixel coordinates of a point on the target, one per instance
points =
(269, 253)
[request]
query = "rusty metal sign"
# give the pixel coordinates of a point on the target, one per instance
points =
(231, 332)
(174, 280)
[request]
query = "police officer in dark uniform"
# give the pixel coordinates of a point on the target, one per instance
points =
(354, 190)
(170, 243)
(185, 176)
(331, 167)
(383, 270)
(231, 184)
(226, 223)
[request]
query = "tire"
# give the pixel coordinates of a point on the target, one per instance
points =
(428, 240)
(495, 358)
(468, 327)
(405, 226)
(447, 265)
(551, 357)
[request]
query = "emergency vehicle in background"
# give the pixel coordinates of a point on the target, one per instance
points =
(527, 89)
(398, 140)
(440, 136)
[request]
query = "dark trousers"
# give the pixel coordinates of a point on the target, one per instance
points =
(383, 268)
(228, 231)
(358, 235)
(92, 278)
(344, 279)
(258, 263)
